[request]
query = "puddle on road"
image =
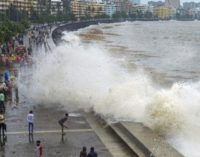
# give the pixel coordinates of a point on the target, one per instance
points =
(80, 122)
(75, 115)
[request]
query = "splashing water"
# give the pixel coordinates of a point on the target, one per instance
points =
(85, 77)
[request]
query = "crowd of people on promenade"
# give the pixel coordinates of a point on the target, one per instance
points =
(16, 50)
(8, 96)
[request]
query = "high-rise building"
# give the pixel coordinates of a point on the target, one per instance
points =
(156, 4)
(66, 4)
(56, 7)
(172, 3)
(39, 6)
(44, 6)
(189, 5)
(83, 8)
(110, 8)
(162, 12)
(25, 5)
(122, 5)
(135, 1)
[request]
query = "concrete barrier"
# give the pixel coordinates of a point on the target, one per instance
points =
(73, 26)
(144, 141)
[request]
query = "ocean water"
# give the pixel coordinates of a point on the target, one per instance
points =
(133, 71)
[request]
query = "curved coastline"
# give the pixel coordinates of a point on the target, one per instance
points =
(73, 26)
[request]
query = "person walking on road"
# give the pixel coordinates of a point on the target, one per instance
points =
(92, 153)
(62, 121)
(83, 152)
(38, 149)
(30, 120)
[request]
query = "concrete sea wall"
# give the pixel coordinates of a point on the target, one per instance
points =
(73, 26)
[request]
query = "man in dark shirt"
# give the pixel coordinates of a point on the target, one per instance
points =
(92, 153)
(62, 121)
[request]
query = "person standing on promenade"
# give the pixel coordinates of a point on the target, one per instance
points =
(62, 121)
(92, 153)
(13, 86)
(16, 87)
(38, 149)
(30, 120)
(2, 100)
(2, 125)
(4, 90)
(83, 152)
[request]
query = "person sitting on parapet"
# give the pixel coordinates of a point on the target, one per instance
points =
(62, 121)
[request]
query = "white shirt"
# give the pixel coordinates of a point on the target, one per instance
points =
(30, 118)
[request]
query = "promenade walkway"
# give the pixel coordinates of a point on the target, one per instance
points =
(48, 131)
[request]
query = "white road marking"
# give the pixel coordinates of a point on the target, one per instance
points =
(50, 131)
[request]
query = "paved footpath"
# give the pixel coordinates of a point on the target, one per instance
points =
(47, 130)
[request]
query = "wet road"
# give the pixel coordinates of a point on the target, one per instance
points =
(78, 134)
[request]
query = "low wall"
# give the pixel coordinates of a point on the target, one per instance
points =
(73, 26)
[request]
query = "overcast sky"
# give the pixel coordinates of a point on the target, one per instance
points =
(182, 1)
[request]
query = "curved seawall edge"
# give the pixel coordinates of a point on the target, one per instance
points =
(73, 26)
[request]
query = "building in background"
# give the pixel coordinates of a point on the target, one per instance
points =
(56, 7)
(52, 7)
(44, 6)
(87, 9)
(135, 1)
(162, 12)
(172, 3)
(191, 9)
(110, 8)
(66, 4)
(189, 5)
(139, 10)
(22, 5)
(156, 4)
(4, 4)
(79, 8)
(96, 9)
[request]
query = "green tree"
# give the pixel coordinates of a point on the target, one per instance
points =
(116, 15)
(25, 23)
(148, 14)
(2, 17)
(124, 14)
(133, 15)
(140, 14)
